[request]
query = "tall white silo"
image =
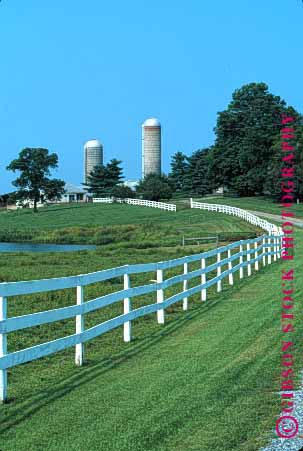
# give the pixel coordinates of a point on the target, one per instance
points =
(151, 147)
(93, 156)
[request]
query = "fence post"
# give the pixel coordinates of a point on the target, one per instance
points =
(248, 259)
(264, 251)
(79, 328)
(241, 262)
(256, 256)
(160, 297)
(278, 246)
(203, 280)
(269, 250)
(219, 283)
(230, 275)
(3, 351)
(275, 248)
(127, 309)
(185, 286)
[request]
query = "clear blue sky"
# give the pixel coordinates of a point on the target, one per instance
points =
(74, 70)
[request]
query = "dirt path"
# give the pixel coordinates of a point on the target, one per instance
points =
(297, 222)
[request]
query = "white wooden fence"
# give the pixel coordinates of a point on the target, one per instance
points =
(244, 254)
(243, 214)
(103, 200)
(145, 203)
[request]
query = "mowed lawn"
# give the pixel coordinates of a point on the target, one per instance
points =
(204, 381)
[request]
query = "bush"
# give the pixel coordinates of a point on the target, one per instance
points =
(122, 192)
(155, 187)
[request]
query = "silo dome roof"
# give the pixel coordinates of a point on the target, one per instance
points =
(93, 143)
(152, 122)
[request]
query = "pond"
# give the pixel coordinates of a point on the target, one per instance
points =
(31, 247)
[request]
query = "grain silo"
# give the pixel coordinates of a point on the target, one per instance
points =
(93, 156)
(151, 147)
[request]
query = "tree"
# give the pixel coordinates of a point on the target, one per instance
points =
(34, 183)
(197, 179)
(274, 177)
(155, 187)
(122, 192)
(179, 169)
(246, 133)
(97, 181)
(114, 172)
(103, 179)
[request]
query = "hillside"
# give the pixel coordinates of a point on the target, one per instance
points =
(173, 387)
(114, 223)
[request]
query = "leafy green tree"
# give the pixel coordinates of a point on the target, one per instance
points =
(246, 132)
(274, 178)
(33, 182)
(179, 170)
(123, 192)
(155, 187)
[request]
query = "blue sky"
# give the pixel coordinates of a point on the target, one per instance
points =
(76, 70)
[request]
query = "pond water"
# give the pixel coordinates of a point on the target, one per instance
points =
(29, 247)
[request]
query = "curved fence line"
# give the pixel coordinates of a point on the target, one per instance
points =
(214, 267)
(243, 214)
(144, 203)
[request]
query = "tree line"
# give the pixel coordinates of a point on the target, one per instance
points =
(245, 159)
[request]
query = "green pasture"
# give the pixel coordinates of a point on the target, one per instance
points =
(117, 225)
(253, 203)
(205, 381)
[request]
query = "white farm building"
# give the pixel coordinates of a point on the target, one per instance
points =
(74, 193)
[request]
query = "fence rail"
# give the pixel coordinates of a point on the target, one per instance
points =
(142, 202)
(235, 257)
(243, 214)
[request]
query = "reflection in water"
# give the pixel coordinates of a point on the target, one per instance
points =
(29, 247)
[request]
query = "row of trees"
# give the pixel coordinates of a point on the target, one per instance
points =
(191, 175)
(35, 185)
(106, 180)
(246, 156)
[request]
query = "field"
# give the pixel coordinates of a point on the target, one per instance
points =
(253, 203)
(119, 225)
(204, 381)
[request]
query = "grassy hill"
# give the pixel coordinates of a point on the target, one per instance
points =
(113, 223)
(252, 203)
(204, 381)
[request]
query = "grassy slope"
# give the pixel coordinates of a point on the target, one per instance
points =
(203, 381)
(253, 203)
(112, 224)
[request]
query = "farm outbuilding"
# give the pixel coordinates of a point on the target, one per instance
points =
(75, 193)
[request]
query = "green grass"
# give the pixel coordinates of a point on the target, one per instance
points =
(253, 203)
(116, 224)
(204, 381)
